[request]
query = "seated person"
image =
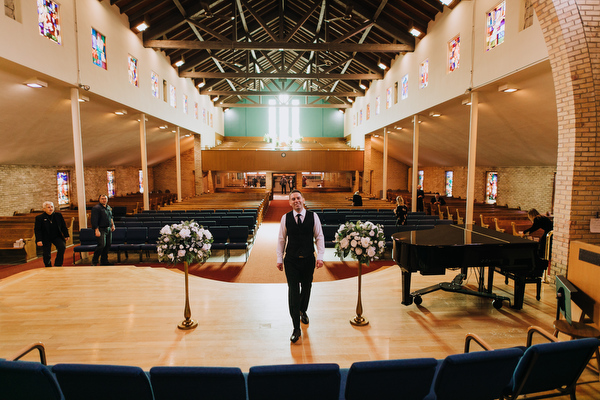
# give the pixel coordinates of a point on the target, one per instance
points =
(356, 199)
(438, 200)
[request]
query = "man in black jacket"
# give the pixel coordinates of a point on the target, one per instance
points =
(50, 229)
(103, 226)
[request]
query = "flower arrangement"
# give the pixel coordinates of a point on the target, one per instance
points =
(364, 241)
(184, 242)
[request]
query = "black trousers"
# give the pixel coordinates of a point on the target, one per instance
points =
(299, 273)
(103, 246)
(59, 243)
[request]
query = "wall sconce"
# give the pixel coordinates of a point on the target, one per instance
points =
(225, 109)
(35, 83)
(202, 83)
(350, 99)
(413, 30)
(381, 65)
(142, 26)
(341, 110)
(362, 85)
(507, 88)
(83, 99)
(215, 98)
(121, 112)
(435, 114)
(179, 62)
(466, 102)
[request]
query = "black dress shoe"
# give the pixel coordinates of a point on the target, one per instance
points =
(295, 335)
(303, 318)
(94, 263)
(107, 263)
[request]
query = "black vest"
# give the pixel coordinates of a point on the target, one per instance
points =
(300, 238)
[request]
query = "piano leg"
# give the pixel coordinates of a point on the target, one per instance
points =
(407, 299)
(519, 293)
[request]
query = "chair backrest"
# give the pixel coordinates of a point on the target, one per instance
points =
(408, 379)
(101, 382)
(329, 232)
(550, 366)
(294, 382)
(207, 383)
(488, 372)
(153, 234)
(137, 235)
(87, 236)
(219, 233)
(119, 235)
(238, 234)
(21, 380)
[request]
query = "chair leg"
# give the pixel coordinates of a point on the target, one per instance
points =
(538, 289)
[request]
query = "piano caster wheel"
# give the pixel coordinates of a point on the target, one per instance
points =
(497, 304)
(418, 300)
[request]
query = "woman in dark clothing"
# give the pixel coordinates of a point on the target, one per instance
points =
(539, 222)
(400, 211)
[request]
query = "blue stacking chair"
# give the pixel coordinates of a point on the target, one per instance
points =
(203, 383)
(24, 380)
(408, 379)
(102, 382)
(329, 232)
(136, 237)
(119, 238)
(151, 241)
(554, 366)
(488, 373)
(238, 239)
(220, 235)
(294, 382)
(88, 241)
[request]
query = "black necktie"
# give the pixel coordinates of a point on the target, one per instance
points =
(298, 216)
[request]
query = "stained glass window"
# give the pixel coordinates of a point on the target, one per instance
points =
(141, 180)
(420, 180)
(154, 84)
(388, 98)
(185, 104)
(110, 183)
(495, 20)
(491, 187)
(453, 53)
(449, 182)
(404, 89)
(424, 74)
(172, 96)
(196, 110)
(132, 70)
(98, 48)
(62, 181)
(377, 105)
(368, 111)
(48, 20)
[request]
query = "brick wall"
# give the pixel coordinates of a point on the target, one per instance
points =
(24, 188)
(571, 29)
(165, 175)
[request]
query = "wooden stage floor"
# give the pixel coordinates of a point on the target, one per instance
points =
(128, 315)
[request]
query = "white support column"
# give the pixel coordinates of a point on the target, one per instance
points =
(472, 158)
(178, 163)
(385, 164)
(144, 150)
(415, 165)
(78, 149)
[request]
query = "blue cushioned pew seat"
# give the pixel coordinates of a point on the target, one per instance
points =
(201, 383)
(23, 380)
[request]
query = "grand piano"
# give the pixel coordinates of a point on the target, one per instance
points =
(432, 251)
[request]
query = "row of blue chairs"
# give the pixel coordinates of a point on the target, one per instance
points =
(215, 220)
(483, 375)
(145, 239)
(230, 211)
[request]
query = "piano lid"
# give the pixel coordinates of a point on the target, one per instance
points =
(457, 235)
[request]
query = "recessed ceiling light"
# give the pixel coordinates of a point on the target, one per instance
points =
(121, 112)
(35, 83)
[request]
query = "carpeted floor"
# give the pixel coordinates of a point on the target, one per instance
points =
(261, 266)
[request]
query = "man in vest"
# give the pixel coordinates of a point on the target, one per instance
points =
(299, 230)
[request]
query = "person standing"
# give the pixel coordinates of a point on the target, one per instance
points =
(50, 229)
(357, 199)
(299, 231)
(420, 198)
(401, 211)
(103, 226)
(283, 183)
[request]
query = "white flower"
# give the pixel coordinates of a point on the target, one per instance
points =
(166, 230)
(184, 233)
(181, 253)
(171, 256)
(372, 233)
(344, 243)
(358, 251)
(353, 243)
(365, 242)
(371, 251)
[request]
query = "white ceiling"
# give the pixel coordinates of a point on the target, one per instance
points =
(518, 129)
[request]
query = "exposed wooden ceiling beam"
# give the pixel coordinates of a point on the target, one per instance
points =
(225, 45)
(276, 93)
(242, 105)
(277, 75)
